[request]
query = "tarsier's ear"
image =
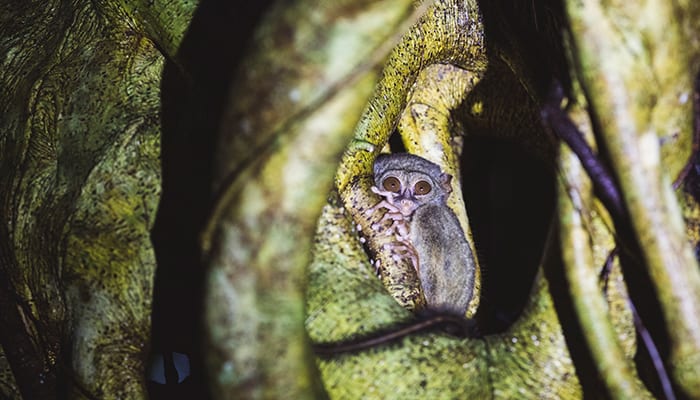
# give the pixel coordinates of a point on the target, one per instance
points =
(446, 181)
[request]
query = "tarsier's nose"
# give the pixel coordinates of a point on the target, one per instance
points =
(406, 206)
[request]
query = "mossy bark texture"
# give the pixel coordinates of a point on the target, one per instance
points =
(288, 253)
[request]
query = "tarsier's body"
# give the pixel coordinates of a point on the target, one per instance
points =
(426, 230)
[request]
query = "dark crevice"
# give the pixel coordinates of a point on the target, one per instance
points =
(509, 197)
(395, 143)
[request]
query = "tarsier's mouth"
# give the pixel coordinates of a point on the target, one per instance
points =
(407, 207)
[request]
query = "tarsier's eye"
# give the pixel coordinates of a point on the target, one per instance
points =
(422, 187)
(392, 184)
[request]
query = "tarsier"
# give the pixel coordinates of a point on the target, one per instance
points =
(425, 229)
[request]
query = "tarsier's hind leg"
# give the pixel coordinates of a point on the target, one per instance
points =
(404, 250)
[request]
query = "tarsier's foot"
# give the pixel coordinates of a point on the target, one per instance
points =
(401, 250)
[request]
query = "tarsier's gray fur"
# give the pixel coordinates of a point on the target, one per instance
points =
(446, 264)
